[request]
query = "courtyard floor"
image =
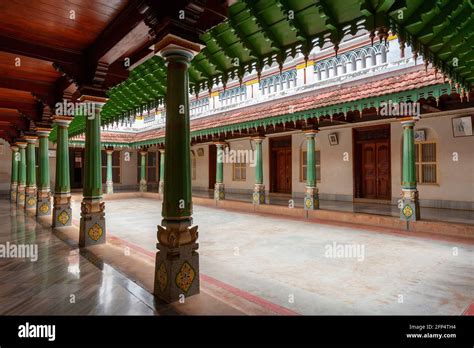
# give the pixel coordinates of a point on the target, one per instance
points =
(288, 262)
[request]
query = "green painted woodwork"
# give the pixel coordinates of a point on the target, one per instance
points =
(259, 162)
(43, 179)
(310, 161)
(220, 164)
(22, 167)
(15, 162)
(93, 159)
(109, 166)
(261, 32)
(30, 164)
(142, 166)
(408, 153)
(62, 184)
(162, 166)
(177, 200)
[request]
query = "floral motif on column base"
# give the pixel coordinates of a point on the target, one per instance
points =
(30, 197)
(92, 226)
(143, 187)
(20, 196)
(109, 187)
(409, 205)
(62, 212)
(311, 199)
(43, 204)
(219, 191)
(177, 262)
(259, 194)
(13, 192)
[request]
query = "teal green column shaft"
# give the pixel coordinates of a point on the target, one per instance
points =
(220, 164)
(408, 173)
(30, 165)
(43, 180)
(177, 200)
(22, 167)
(15, 158)
(109, 166)
(259, 164)
(310, 161)
(142, 165)
(62, 184)
(162, 166)
(93, 159)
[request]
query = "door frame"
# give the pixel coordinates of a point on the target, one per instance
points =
(357, 166)
(212, 165)
(272, 163)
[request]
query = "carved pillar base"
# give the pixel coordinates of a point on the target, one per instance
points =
(409, 205)
(13, 192)
(177, 261)
(20, 196)
(30, 197)
(143, 187)
(219, 191)
(62, 212)
(92, 225)
(311, 199)
(259, 194)
(161, 187)
(109, 187)
(43, 204)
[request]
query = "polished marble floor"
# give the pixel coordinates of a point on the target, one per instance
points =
(62, 280)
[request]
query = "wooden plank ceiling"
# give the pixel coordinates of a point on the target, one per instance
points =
(52, 50)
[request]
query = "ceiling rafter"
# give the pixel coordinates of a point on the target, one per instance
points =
(294, 23)
(265, 30)
(234, 28)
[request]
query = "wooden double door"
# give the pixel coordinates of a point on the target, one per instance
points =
(280, 163)
(376, 170)
(372, 175)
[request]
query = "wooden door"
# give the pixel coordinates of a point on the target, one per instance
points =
(212, 165)
(383, 170)
(369, 172)
(283, 170)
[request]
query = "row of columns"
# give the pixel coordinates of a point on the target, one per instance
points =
(143, 182)
(409, 203)
(177, 260)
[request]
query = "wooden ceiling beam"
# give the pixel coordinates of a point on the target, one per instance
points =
(38, 51)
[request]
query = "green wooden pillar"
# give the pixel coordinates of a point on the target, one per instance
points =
(20, 195)
(177, 261)
(109, 182)
(62, 213)
(43, 205)
(143, 183)
(409, 204)
(92, 229)
(259, 188)
(14, 173)
(311, 200)
(161, 186)
(219, 190)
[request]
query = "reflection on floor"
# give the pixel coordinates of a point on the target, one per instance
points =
(435, 214)
(61, 280)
